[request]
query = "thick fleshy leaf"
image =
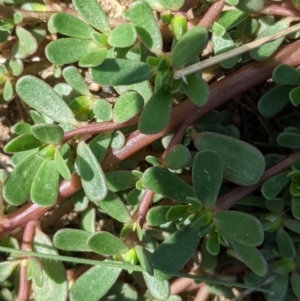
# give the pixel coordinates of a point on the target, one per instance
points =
(296, 206)
(294, 96)
(68, 50)
(159, 289)
(90, 280)
(35, 271)
(22, 143)
(157, 216)
(93, 59)
(92, 13)
(213, 245)
(207, 174)
(16, 189)
(275, 205)
(146, 26)
(294, 281)
(48, 133)
(174, 5)
(166, 183)
(177, 212)
(15, 66)
(251, 257)
(22, 128)
(44, 189)
(6, 268)
(243, 164)
(61, 165)
(144, 258)
(80, 200)
(291, 140)
(196, 89)
(72, 240)
(279, 287)
(8, 91)
(100, 144)
(114, 207)
(75, 80)
(88, 219)
(122, 36)
(107, 244)
(117, 72)
(127, 105)
(208, 261)
(156, 114)
(271, 188)
(92, 177)
(120, 180)
(102, 110)
(178, 26)
(293, 225)
(285, 245)
(173, 253)
(178, 157)
(117, 140)
(241, 227)
(286, 75)
(274, 101)
(189, 46)
(41, 97)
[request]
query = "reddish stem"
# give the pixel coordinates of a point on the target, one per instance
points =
(278, 10)
(212, 14)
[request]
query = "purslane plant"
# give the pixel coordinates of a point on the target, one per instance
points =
(91, 144)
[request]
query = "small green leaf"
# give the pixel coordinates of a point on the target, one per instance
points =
(117, 140)
(189, 46)
(278, 287)
(92, 13)
(251, 257)
(208, 261)
(72, 240)
(16, 189)
(127, 106)
(22, 128)
(296, 206)
(146, 26)
(156, 114)
(178, 157)
(275, 205)
(92, 177)
(94, 58)
(291, 140)
(88, 219)
(156, 216)
(35, 271)
(179, 26)
(75, 80)
(177, 212)
(61, 165)
(293, 225)
(22, 143)
(213, 245)
(117, 72)
(166, 183)
(8, 91)
(6, 268)
(102, 110)
(173, 5)
(271, 188)
(114, 207)
(243, 164)
(41, 97)
(44, 189)
(159, 289)
(294, 96)
(68, 50)
(207, 175)
(285, 245)
(48, 133)
(120, 180)
(99, 145)
(144, 258)
(196, 89)
(286, 75)
(107, 244)
(241, 227)
(15, 66)
(250, 6)
(173, 253)
(294, 281)
(90, 280)
(122, 36)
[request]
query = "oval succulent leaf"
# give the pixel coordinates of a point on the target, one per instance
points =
(296, 206)
(243, 164)
(178, 157)
(48, 133)
(279, 287)
(71, 240)
(122, 36)
(22, 143)
(241, 227)
(99, 145)
(166, 183)
(92, 177)
(75, 80)
(157, 216)
(69, 25)
(107, 244)
(41, 97)
(285, 245)
(61, 165)
(159, 289)
(291, 140)
(94, 58)
(144, 258)
(286, 75)
(294, 281)
(173, 5)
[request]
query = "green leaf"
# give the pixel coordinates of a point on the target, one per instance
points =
(90, 280)
(178, 157)
(72, 240)
(8, 91)
(294, 281)
(69, 25)
(15, 66)
(114, 207)
(251, 257)
(274, 101)
(117, 72)
(26, 44)
(16, 189)
(102, 110)
(94, 58)
(173, 253)
(173, 5)
(177, 212)
(286, 75)
(107, 244)
(122, 36)
(22, 143)
(293, 225)
(61, 165)
(243, 164)
(92, 13)
(144, 258)
(92, 177)
(196, 89)
(159, 289)
(156, 216)
(68, 50)
(272, 187)
(75, 80)
(207, 175)
(35, 271)
(48, 133)
(275, 205)
(208, 261)
(119, 291)
(156, 114)
(41, 97)
(296, 206)
(294, 96)
(88, 219)
(117, 140)
(44, 189)
(231, 18)
(250, 6)
(120, 180)
(241, 227)
(213, 245)
(6, 269)
(291, 140)
(81, 106)
(22, 128)
(279, 287)
(178, 26)
(189, 46)
(285, 245)
(100, 144)
(166, 183)
(146, 26)
(127, 106)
